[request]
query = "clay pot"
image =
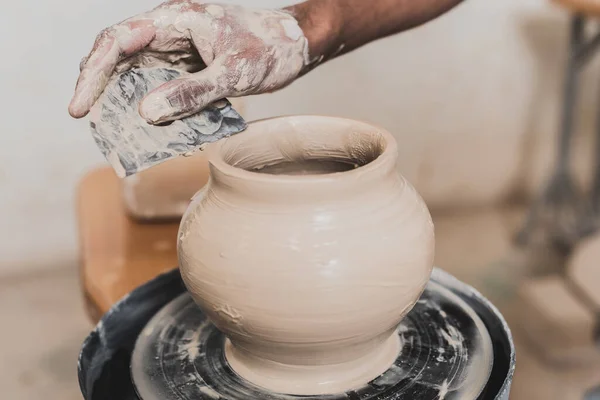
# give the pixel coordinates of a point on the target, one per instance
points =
(306, 248)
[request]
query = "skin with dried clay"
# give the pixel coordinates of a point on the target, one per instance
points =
(236, 51)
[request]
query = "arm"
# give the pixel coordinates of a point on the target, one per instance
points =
(235, 51)
(336, 27)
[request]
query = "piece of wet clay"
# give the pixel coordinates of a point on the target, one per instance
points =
(131, 144)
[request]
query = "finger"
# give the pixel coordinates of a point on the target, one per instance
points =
(152, 59)
(183, 97)
(82, 63)
(94, 74)
(142, 59)
(111, 46)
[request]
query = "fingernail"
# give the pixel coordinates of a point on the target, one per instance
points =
(155, 108)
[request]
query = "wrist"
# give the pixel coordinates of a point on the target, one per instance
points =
(321, 24)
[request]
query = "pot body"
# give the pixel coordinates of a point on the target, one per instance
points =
(303, 267)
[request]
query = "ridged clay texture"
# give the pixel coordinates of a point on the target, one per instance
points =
(306, 266)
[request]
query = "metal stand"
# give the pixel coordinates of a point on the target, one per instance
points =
(561, 210)
(561, 215)
(593, 394)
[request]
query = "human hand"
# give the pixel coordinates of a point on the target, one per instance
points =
(231, 50)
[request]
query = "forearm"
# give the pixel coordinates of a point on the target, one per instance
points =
(335, 27)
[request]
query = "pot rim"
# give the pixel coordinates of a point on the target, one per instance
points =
(387, 157)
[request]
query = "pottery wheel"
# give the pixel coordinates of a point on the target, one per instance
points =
(446, 354)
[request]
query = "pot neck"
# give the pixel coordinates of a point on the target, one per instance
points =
(304, 159)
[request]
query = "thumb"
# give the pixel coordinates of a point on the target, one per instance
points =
(183, 97)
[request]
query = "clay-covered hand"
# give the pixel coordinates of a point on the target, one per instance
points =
(231, 50)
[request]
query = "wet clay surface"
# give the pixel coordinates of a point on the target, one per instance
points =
(308, 263)
(306, 168)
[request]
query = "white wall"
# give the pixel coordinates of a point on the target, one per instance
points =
(460, 94)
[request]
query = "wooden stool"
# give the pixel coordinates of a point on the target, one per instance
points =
(117, 253)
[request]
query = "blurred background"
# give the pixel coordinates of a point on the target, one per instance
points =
(473, 98)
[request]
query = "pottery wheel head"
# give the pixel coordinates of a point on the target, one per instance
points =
(446, 354)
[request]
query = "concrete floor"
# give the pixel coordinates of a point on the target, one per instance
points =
(42, 329)
(477, 247)
(44, 321)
